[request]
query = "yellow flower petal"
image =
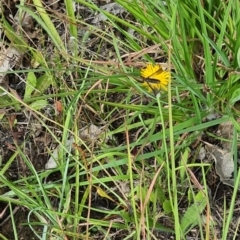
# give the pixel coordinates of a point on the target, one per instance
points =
(149, 70)
(151, 74)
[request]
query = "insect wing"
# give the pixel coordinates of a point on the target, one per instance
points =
(151, 80)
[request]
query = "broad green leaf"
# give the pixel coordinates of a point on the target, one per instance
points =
(235, 97)
(167, 206)
(161, 195)
(30, 85)
(192, 215)
(44, 82)
(238, 57)
(39, 104)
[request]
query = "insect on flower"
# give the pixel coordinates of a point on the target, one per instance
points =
(155, 78)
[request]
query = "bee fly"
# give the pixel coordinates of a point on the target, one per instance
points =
(151, 80)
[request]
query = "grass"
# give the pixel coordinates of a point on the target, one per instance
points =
(138, 177)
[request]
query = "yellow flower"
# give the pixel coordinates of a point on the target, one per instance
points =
(155, 78)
